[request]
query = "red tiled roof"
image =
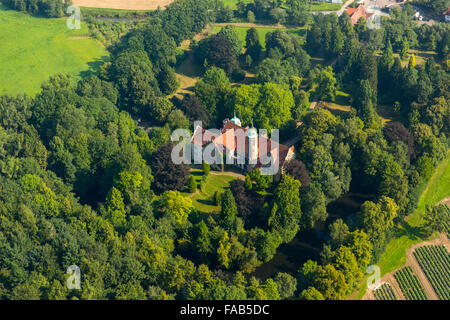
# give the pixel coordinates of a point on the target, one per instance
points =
(357, 13)
(230, 125)
(283, 151)
(350, 11)
(231, 138)
(233, 134)
(447, 12)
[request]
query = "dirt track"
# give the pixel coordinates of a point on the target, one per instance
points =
(123, 4)
(445, 201)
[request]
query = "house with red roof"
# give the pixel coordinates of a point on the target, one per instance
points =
(243, 145)
(356, 13)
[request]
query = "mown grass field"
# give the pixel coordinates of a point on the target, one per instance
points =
(203, 200)
(325, 6)
(409, 232)
(316, 6)
(32, 49)
(232, 4)
(262, 31)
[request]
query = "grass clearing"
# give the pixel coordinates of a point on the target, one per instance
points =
(315, 6)
(232, 4)
(35, 48)
(262, 31)
(386, 114)
(325, 6)
(203, 200)
(419, 55)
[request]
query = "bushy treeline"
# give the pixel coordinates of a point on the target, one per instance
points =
(292, 12)
(392, 161)
(436, 7)
(284, 56)
(44, 8)
(143, 61)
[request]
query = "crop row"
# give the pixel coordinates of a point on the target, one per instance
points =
(385, 292)
(447, 228)
(435, 262)
(410, 285)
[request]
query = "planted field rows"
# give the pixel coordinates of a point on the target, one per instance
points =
(447, 228)
(385, 292)
(435, 262)
(410, 285)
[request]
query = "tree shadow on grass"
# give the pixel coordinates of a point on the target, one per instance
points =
(197, 173)
(94, 66)
(208, 202)
(413, 233)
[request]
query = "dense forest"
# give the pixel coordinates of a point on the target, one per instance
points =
(82, 184)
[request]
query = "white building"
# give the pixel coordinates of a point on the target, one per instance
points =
(447, 15)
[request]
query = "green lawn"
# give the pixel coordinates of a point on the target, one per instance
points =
(232, 4)
(410, 233)
(32, 49)
(316, 6)
(262, 31)
(325, 6)
(203, 200)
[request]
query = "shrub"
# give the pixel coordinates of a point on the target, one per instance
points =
(192, 184)
(238, 75)
(206, 169)
(217, 198)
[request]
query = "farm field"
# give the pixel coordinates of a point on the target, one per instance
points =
(385, 292)
(424, 277)
(123, 4)
(435, 262)
(38, 48)
(410, 285)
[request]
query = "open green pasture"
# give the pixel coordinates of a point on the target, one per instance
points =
(32, 49)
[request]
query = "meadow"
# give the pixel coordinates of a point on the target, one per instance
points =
(33, 49)
(316, 6)
(262, 31)
(325, 6)
(203, 200)
(232, 4)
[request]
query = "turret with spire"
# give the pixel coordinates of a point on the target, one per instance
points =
(235, 120)
(252, 136)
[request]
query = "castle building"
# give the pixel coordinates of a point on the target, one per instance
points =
(244, 147)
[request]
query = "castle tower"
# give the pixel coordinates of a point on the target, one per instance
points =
(252, 135)
(235, 120)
